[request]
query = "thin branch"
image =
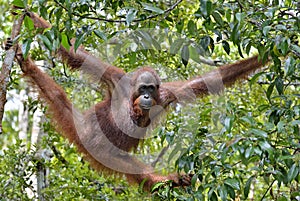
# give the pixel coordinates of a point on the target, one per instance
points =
(270, 186)
(285, 84)
(59, 155)
(160, 155)
(7, 65)
(173, 6)
(240, 5)
(296, 53)
(210, 62)
(166, 12)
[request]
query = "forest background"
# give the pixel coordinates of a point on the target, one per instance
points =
(241, 145)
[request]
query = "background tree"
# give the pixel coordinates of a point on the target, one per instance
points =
(243, 144)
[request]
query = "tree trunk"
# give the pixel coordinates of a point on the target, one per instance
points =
(6, 67)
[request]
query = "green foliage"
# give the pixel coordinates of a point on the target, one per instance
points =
(16, 168)
(242, 144)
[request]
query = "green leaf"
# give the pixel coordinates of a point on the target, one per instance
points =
(293, 172)
(209, 7)
(130, 16)
(222, 191)
(65, 41)
(147, 40)
(247, 186)
(296, 127)
(152, 8)
(205, 7)
(280, 27)
(289, 66)
(180, 25)
(185, 54)
(46, 42)
(156, 44)
(247, 119)
(219, 35)
(218, 18)
(157, 186)
(280, 126)
(270, 12)
(194, 179)
(284, 46)
(212, 195)
(270, 90)
(282, 198)
(29, 23)
(235, 34)
(240, 51)
(266, 30)
(274, 117)
(18, 3)
(226, 46)
(233, 183)
(264, 145)
(259, 133)
(295, 122)
(295, 48)
(263, 107)
(100, 34)
(132, 57)
(231, 192)
(228, 15)
(79, 41)
(228, 124)
(56, 43)
(255, 77)
(177, 149)
(279, 85)
(194, 55)
(192, 28)
(176, 45)
(240, 16)
(248, 47)
(295, 194)
(205, 42)
(141, 186)
(26, 47)
(248, 152)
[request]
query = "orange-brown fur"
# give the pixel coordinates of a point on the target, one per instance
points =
(101, 114)
(62, 113)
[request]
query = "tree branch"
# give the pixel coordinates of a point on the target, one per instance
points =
(160, 155)
(166, 12)
(59, 155)
(7, 65)
(296, 84)
(270, 186)
(210, 62)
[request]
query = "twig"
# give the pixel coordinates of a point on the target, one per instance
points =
(7, 65)
(296, 53)
(121, 21)
(172, 7)
(240, 5)
(270, 186)
(160, 155)
(59, 156)
(210, 62)
(296, 84)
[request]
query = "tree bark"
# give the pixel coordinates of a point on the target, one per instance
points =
(7, 65)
